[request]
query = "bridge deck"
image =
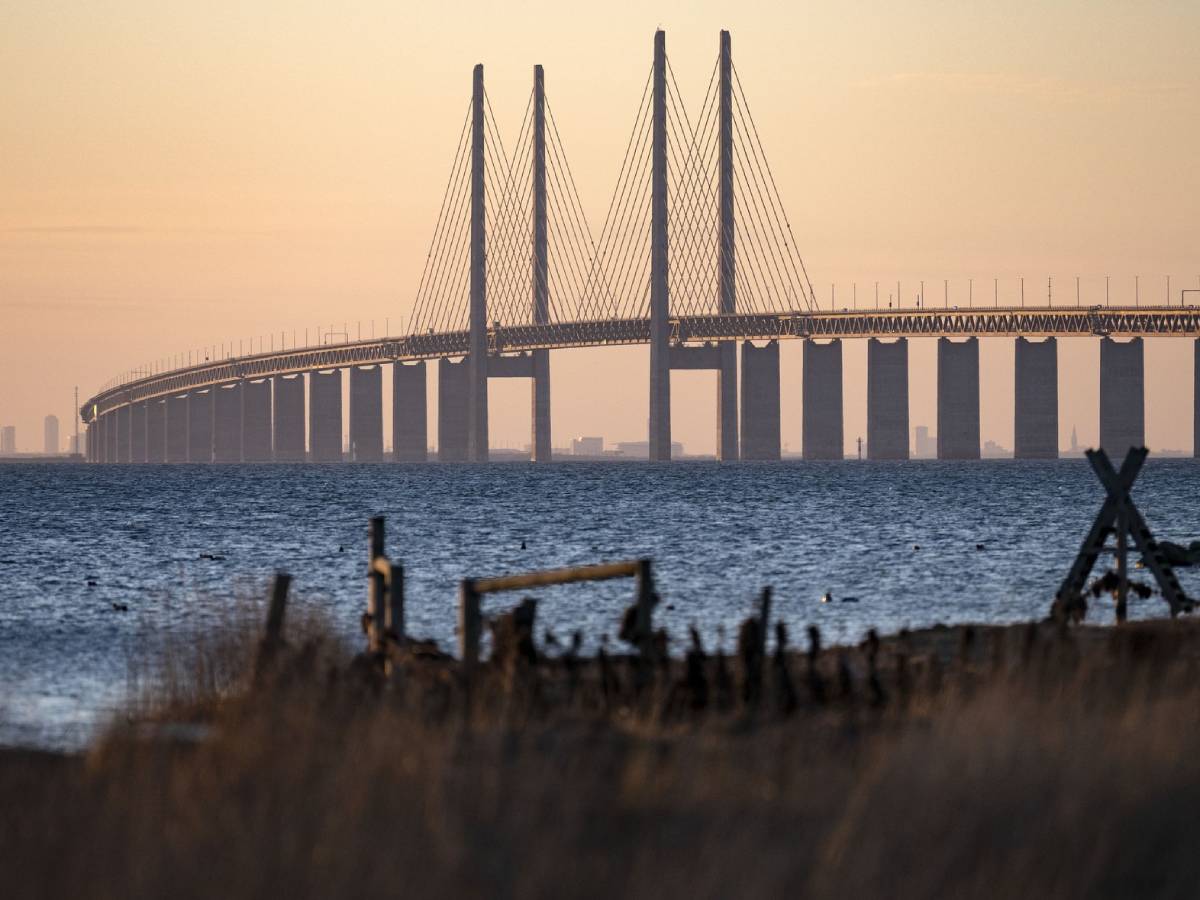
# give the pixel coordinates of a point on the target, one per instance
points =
(983, 322)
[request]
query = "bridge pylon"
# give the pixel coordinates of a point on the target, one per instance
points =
(660, 291)
(477, 361)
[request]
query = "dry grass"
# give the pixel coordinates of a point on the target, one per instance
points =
(1008, 762)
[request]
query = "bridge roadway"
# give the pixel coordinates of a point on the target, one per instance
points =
(1028, 322)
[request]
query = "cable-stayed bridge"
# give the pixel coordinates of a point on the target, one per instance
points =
(696, 257)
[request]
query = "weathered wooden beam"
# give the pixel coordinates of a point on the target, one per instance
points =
(1129, 518)
(1073, 585)
(569, 575)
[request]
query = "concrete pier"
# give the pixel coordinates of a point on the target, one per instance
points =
(540, 414)
(887, 399)
(1122, 397)
(200, 426)
(176, 429)
(958, 399)
(102, 438)
(1035, 432)
(822, 392)
(325, 416)
(124, 422)
(288, 430)
(256, 421)
(760, 401)
(366, 414)
(410, 429)
(454, 387)
(156, 431)
(137, 433)
(227, 424)
(1196, 401)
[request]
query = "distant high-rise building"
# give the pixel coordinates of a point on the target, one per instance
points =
(1074, 441)
(992, 450)
(8, 439)
(926, 446)
(587, 446)
(51, 444)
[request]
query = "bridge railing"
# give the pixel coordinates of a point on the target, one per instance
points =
(938, 322)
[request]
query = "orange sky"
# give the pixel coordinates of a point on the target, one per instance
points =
(174, 175)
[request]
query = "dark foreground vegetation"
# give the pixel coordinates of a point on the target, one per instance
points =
(1029, 761)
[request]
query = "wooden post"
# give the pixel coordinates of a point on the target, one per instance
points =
(377, 590)
(645, 606)
(764, 618)
(273, 635)
(1122, 561)
(279, 593)
(395, 610)
(468, 623)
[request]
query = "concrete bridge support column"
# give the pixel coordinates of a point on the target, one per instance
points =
(727, 400)
(542, 447)
(156, 431)
(124, 427)
(454, 388)
(256, 421)
(176, 429)
(325, 416)
(227, 424)
(101, 439)
(1035, 432)
(137, 433)
(366, 414)
(111, 422)
(1122, 397)
(1196, 401)
(887, 399)
(822, 391)
(760, 400)
(958, 399)
(200, 426)
(410, 429)
(89, 438)
(288, 431)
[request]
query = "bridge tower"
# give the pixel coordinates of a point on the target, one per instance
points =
(477, 362)
(660, 356)
(541, 273)
(727, 391)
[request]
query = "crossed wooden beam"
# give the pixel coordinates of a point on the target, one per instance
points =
(1118, 515)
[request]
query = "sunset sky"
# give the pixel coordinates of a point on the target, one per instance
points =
(175, 175)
